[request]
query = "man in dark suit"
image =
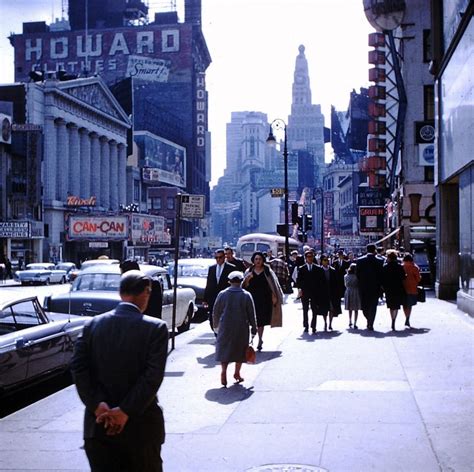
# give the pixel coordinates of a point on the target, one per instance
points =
(216, 281)
(118, 366)
(231, 259)
(341, 264)
(307, 282)
(369, 276)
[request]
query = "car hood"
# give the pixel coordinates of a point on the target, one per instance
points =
(199, 282)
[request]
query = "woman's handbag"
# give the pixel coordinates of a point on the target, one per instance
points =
(421, 294)
(250, 356)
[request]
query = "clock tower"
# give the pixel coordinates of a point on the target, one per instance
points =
(306, 123)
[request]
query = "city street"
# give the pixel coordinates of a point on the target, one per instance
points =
(338, 401)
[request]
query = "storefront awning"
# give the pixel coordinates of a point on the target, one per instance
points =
(387, 236)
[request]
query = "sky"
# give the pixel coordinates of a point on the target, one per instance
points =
(253, 45)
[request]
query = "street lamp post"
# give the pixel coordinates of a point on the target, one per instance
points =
(279, 124)
(319, 193)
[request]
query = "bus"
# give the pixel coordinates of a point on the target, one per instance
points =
(250, 243)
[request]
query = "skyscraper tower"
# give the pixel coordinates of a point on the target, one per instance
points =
(306, 122)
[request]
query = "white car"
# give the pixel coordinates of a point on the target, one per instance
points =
(96, 290)
(41, 273)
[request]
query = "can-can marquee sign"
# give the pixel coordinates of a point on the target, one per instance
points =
(98, 227)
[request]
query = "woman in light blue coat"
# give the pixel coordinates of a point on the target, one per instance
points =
(233, 314)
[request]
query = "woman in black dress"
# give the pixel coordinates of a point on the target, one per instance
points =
(266, 292)
(393, 276)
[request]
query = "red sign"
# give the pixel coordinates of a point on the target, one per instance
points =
(98, 227)
(72, 200)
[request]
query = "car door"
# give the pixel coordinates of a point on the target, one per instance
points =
(167, 310)
(42, 341)
(13, 359)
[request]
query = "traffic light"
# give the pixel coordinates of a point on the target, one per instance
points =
(294, 213)
(309, 223)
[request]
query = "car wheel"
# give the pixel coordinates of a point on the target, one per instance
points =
(187, 321)
(46, 282)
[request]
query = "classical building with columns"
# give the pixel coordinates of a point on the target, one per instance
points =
(83, 175)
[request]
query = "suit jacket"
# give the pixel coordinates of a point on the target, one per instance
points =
(369, 274)
(329, 296)
(309, 281)
(213, 287)
(120, 359)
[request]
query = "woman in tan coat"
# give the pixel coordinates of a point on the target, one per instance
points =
(410, 283)
(262, 283)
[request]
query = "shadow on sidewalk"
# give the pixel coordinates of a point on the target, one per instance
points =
(309, 337)
(390, 334)
(226, 396)
(263, 356)
(209, 361)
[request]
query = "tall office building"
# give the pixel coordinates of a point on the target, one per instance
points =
(306, 122)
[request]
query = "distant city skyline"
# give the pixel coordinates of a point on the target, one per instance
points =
(253, 45)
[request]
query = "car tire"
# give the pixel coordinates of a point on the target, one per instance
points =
(46, 282)
(187, 321)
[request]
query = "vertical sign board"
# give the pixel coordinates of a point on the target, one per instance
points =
(192, 206)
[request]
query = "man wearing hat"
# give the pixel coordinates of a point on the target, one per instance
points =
(118, 366)
(233, 314)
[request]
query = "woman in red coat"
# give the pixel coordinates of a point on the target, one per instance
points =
(410, 283)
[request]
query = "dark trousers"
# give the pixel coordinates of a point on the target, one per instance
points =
(107, 455)
(307, 302)
(369, 302)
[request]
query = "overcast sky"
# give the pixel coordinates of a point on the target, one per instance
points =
(253, 45)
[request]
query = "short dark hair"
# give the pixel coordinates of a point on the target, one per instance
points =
(128, 264)
(258, 253)
(408, 258)
(371, 248)
(134, 282)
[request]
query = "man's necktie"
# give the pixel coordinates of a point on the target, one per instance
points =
(218, 272)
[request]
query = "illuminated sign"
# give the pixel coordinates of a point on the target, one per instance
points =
(98, 227)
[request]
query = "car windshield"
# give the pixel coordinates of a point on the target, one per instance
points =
(38, 267)
(89, 282)
(190, 270)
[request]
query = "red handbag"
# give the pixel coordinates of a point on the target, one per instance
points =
(250, 356)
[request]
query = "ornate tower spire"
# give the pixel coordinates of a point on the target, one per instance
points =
(301, 89)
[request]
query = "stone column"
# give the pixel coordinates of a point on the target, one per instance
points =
(50, 159)
(122, 173)
(74, 160)
(113, 176)
(105, 176)
(96, 153)
(62, 162)
(447, 228)
(85, 163)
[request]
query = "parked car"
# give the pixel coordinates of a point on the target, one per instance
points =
(89, 263)
(69, 267)
(96, 290)
(192, 273)
(41, 273)
(33, 345)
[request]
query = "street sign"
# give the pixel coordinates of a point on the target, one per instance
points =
(277, 192)
(192, 206)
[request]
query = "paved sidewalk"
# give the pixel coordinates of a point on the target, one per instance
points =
(337, 401)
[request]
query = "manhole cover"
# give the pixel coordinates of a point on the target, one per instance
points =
(286, 468)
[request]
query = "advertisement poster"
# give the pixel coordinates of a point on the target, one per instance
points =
(162, 160)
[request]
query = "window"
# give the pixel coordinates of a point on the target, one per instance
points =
(427, 46)
(170, 203)
(429, 173)
(155, 203)
(428, 102)
(136, 190)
